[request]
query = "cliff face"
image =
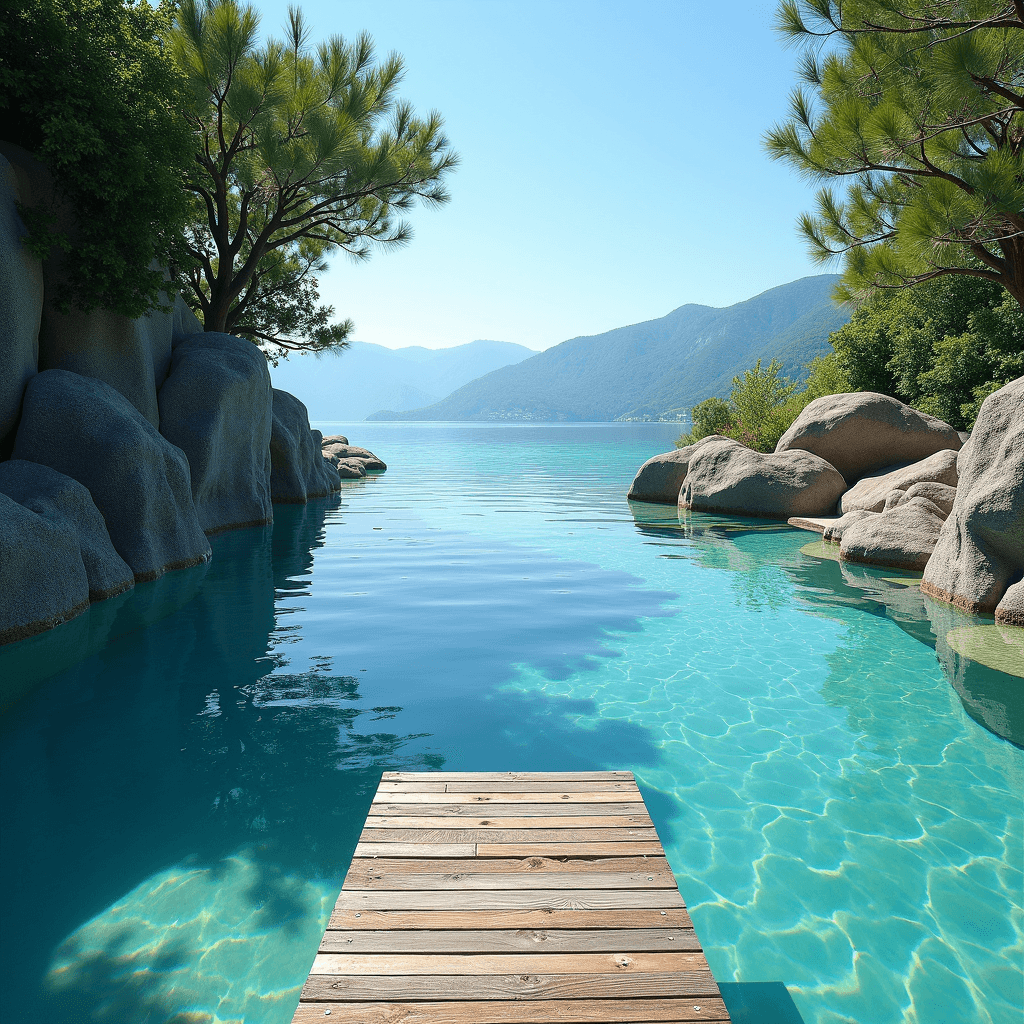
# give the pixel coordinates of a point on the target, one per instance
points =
(123, 443)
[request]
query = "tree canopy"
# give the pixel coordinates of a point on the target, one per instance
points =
(918, 104)
(299, 151)
(86, 87)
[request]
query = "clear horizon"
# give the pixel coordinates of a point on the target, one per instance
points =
(612, 167)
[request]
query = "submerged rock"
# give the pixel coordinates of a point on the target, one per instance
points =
(659, 480)
(871, 492)
(980, 552)
(215, 407)
(862, 432)
(68, 505)
(725, 476)
(138, 480)
(42, 579)
(903, 538)
(299, 470)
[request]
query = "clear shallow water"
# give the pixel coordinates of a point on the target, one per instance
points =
(180, 806)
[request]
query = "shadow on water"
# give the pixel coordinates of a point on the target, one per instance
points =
(185, 807)
(994, 699)
(760, 1003)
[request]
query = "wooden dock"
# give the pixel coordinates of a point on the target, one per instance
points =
(509, 898)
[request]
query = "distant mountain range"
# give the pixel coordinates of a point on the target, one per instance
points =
(653, 370)
(365, 378)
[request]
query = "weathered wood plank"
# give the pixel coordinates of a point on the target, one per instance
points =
(526, 1011)
(426, 850)
(598, 849)
(508, 776)
(547, 940)
(490, 786)
(473, 965)
(457, 918)
(530, 810)
(511, 835)
(516, 899)
(492, 821)
(524, 867)
(623, 796)
(626, 986)
(470, 881)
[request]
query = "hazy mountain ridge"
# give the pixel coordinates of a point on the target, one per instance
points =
(367, 377)
(657, 369)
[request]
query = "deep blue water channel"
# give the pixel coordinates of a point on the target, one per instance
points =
(184, 783)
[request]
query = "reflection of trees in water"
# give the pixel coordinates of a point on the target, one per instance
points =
(993, 699)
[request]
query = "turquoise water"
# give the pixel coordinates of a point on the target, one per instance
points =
(832, 782)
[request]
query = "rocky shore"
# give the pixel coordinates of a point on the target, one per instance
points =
(125, 444)
(889, 485)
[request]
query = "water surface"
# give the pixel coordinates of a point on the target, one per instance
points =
(839, 790)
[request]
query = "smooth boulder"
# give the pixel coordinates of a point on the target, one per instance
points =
(42, 579)
(299, 470)
(131, 355)
(138, 480)
(941, 495)
(870, 492)
(337, 451)
(1010, 610)
(660, 479)
(215, 407)
(727, 477)
(980, 553)
(862, 432)
(67, 504)
(902, 538)
(834, 532)
(21, 303)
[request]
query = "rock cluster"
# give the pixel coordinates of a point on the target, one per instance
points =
(350, 462)
(890, 485)
(125, 443)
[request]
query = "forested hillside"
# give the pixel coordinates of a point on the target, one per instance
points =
(653, 370)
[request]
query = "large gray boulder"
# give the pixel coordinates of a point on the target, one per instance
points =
(725, 476)
(861, 432)
(902, 538)
(68, 505)
(337, 453)
(132, 356)
(871, 491)
(833, 533)
(21, 304)
(138, 480)
(1010, 610)
(299, 470)
(215, 406)
(941, 495)
(980, 552)
(659, 480)
(42, 579)
(184, 323)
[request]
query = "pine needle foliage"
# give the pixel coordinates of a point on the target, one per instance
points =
(88, 89)
(919, 106)
(300, 151)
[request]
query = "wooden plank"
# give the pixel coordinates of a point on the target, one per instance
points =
(531, 810)
(526, 1011)
(627, 986)
(430, 850)
(507, 776)
(490, 786)
(509, 835)
(457, 918)
(624, 796)
(492, 821)
(516, 899)
(380, 965)
(468, 881)
(524, 867)
(520, 940)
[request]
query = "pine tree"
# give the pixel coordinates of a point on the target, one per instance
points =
(299, 152)
(918, 104)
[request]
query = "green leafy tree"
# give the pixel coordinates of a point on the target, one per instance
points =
(300, 151)
(712, 416)
(759, 397)
(86, 87)
(942, 346)
(918, 105)
(825, 376)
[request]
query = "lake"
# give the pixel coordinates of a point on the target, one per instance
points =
(187, 768)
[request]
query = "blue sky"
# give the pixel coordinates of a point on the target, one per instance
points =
(612, 166)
